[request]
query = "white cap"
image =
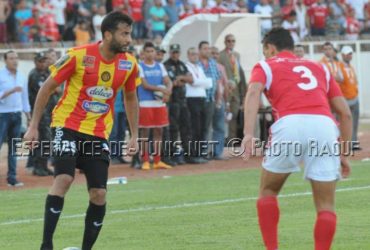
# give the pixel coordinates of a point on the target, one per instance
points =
(346, 50)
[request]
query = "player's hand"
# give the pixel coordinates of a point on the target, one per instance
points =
(166, 98)
(31, 137)
(345, 167)
(17, 89)
(166, 91)
(132, 146)
(247, 147)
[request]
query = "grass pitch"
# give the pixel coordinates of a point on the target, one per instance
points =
(211, 211)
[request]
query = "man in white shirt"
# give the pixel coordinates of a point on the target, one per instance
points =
(358, 6)
(97, 21)
(264, 8)
(196, 100)
(58, 11)
(13, 100)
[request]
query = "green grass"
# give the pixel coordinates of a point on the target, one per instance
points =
(160, 220)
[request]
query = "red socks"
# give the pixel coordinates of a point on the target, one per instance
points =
(268, 218)
(324, 229)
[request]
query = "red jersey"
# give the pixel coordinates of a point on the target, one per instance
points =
(318, 15)
(352, 26)
(91, 87)
(309, 2)
(296, 86)
(136, 9)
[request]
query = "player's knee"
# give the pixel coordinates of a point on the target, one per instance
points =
(61, 184)
(97, 195)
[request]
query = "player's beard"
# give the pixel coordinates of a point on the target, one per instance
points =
(117, 48)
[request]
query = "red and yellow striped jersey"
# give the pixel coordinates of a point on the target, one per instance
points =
(87, 103)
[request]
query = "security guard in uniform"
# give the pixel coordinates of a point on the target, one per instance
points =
(178, 109)
(38, 158)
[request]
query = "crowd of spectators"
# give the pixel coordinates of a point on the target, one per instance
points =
(79, 20)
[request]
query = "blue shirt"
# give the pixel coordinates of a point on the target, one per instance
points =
(17, 101)
(119, 105)
(211, 71)
(153, 74)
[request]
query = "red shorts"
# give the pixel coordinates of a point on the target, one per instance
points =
(153, 117)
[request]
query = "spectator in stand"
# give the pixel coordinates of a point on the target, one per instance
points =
(329, 60)
(218, 8)
(5, 10)
(173, 12)
(82, 33)
(22, 14)
(196, 101)
(264, 8)
(188, 11)
(302, 18)
(288, 6)
(59, 7)
(13, 100)
(337, 11)
(318, 13)
(230, 6)
(352, 26)
(308, 3)
(299, 50)
(205, 8)
(252, 5)
(242, 5)
(49, 28)
(158, 19)
(277, 16)
(333, 26)
(358, 6)
(367, 18)
(349, 88)
(97, 21)
(290, 23)
(136, 12)
(153, 94)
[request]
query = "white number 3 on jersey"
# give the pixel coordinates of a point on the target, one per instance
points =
(307, 73)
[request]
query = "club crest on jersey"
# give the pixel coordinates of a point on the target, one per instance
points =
(95, 107)
(105, 76)
(124, 65)
(88, 61)
(100, 92)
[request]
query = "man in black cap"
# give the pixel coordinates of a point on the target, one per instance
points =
(178, 109)
(38, 159)
(160, 53)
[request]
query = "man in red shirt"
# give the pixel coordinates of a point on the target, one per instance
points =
(136, 12)
(301, 93)
(318, 13)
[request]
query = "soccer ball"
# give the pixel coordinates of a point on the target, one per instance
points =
(71, 248)
(158, 95)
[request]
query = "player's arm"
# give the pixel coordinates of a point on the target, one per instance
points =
(251, 106)
(183, 79)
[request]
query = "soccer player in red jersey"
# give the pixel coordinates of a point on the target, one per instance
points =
(83, 118)
(301, 93)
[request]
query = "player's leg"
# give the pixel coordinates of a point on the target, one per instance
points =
(64, 175)
(145, 149)
(157, 138)
(268, 208)
(96, 172)
(324, 196)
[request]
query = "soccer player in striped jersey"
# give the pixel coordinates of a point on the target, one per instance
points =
(83, 118)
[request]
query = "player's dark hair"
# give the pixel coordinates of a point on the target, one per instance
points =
(7, 53)
(112, 20)
(148, 45)
(328, 44)
(280, 38)
(202, 43)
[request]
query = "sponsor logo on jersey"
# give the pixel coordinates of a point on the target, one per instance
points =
(124, 65)
(88, 61)
(100, 92)
(95, 107)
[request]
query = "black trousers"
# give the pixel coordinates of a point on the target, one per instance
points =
(198, 113)
(180, 124)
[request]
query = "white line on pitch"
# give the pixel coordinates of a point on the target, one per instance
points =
(183, 205)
